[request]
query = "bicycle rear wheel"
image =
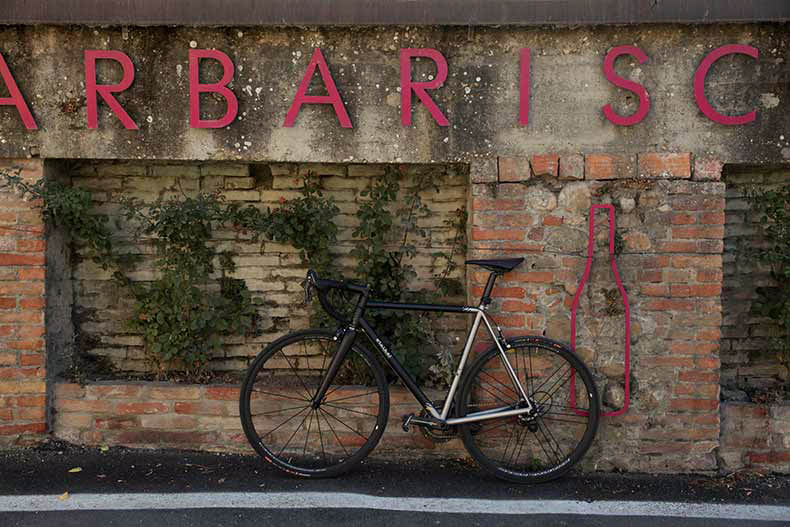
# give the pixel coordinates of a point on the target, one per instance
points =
(545, 445)
(284, 427)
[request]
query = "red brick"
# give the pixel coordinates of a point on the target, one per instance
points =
(141, 408)
(82, 405)
(32, 303)
(31, 359)
(651, 276)
(37, 428)
(21, 259)
(545, 165)
(665, 165)
(694, 404)
(202, 408)
(697, 390)
(697, 232)
(222, 393)
(696, 262)
(31, 274)
(675, 362)
(553, 220)
(668, 304)
(708, 363)
(681, 290)
(30, 400)
(654, 289)
(510, 321)
(8, 358)
(653, 262)
(499, 219)
(609, 166)
(25, 344)
(23, 288)
(769, 457)
(682, 218)
(31, 245)
(515, 306)
(676, 247)
(513, 169)
(502, 234)
(501, 292)
(693, 347)
(7, 302)
(31, 413)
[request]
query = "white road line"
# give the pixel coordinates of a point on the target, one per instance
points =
(342, 500)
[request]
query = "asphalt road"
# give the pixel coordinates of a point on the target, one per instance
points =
(187, 488)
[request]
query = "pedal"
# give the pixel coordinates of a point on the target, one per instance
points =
(407, 419)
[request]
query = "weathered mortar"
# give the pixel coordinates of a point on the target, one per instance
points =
(480, 96)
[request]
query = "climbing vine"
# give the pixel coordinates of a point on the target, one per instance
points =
(193, 301)
(774, 301)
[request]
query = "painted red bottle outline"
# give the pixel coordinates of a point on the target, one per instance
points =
(575, 306)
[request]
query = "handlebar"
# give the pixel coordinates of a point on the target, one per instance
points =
(322, 286)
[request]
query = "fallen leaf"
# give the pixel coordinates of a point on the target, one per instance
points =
(64, 496)
(104, 448)
(75, 470)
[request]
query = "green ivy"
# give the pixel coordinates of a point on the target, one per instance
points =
(386, 238)
(186, 310)
(774, 302)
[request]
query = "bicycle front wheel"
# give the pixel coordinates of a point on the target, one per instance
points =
(303, 439)
(541, 446)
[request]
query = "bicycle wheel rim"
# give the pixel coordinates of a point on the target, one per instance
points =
(286, 430)
(546, 445)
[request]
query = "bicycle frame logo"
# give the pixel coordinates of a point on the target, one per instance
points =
(575, 306)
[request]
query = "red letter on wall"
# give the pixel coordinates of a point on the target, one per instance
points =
(407, 86)
(106, 90)
(333, 98)
(611, 76)
(221, 87)
(525, 79)
(699, 84)
(15, 97)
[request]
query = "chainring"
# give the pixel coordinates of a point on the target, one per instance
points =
(438, 435)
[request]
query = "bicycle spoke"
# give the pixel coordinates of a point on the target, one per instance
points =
(279, 411)
(321, 439)
(280, 395)
(339, 442)
(306, 390)
(344, 424)
(348, 409)
(292, 436)
(285, 422)
(307, 437)
(349, 397)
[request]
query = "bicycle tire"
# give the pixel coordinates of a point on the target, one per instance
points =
(285, 380)
(547, 457)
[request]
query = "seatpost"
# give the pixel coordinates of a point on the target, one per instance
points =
(486, 299)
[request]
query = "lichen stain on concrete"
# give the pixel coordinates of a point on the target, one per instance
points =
(480, 96)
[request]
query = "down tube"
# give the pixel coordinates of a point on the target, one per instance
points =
(396, 366)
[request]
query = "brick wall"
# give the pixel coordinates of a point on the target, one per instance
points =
(669, 239)
(272, 271)
(22, 357)
(748, 362)
(201, 417)
(755, 437)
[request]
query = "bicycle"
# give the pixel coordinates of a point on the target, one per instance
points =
(300, 414)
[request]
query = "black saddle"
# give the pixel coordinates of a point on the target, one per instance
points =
(501, 265)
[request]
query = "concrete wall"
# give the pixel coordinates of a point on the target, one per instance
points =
(480, 97)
